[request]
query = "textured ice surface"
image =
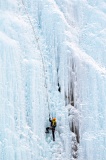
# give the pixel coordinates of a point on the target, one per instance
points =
(69, 37)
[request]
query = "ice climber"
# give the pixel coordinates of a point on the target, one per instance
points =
(52, 127)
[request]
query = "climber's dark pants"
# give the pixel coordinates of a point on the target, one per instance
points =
(53, 130)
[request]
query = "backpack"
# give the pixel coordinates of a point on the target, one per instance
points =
(53, 123)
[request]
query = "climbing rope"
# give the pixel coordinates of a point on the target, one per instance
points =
(38, 46)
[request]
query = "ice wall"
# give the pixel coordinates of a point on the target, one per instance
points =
(22, 91)
(93, 80)
(69, 38)
(93, 29)
(24, 45)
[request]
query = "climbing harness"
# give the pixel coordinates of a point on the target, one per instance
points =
(38, 46)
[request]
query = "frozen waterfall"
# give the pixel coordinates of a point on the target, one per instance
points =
(52, 61)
